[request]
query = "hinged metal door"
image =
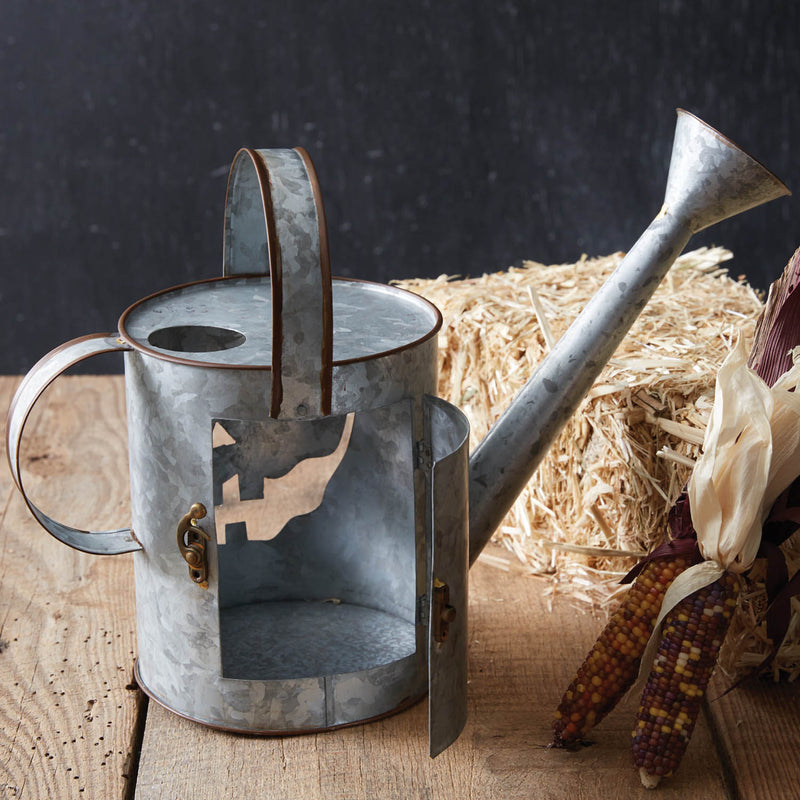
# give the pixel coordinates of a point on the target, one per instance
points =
(447, 432)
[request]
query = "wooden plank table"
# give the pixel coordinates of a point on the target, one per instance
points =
(73, 724)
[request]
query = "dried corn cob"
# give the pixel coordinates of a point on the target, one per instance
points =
(692, 634)
(613, 663)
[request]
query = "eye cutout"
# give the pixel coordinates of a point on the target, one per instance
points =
(195, 339)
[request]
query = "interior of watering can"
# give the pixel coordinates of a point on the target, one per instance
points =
(315, 526)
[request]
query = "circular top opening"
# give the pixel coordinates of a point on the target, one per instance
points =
(227, 322)
(195, 339)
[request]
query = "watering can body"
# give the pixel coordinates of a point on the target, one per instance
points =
(298, 492)
(300, 513)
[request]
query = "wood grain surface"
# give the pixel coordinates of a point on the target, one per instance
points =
(758, 730)
(521, 658)
(68, 710)
(73, 725)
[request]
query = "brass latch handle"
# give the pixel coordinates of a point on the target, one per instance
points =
(192, 544)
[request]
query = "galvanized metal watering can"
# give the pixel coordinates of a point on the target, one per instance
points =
(304, 512)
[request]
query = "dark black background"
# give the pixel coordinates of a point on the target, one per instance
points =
(456, 137)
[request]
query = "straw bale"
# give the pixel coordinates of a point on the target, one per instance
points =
(601, 496)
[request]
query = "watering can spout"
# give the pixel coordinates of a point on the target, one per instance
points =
(710, 179)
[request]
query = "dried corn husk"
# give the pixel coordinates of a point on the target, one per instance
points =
(746, 645)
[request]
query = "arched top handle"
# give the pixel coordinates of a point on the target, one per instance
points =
(275, 224)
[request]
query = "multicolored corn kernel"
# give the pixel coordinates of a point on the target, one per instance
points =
(613, 663)
(691, 636)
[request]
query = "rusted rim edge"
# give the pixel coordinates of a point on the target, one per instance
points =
(726, 140)
(215, 365)
(402, 706)
(326, 370)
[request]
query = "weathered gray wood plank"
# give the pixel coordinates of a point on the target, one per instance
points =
(522, 657)
(758, 726)
(68, 722)
(67, 712)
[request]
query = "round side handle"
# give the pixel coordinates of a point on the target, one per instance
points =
(275, 224)
(28, 392)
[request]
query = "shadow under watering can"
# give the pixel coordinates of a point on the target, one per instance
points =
(304, 511)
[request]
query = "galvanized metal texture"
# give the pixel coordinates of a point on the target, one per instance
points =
(357, 547)
(182, 628)
(316, 627)
(28, 392)
(224, 323)
(171, 411)
(319, 625)
(709, 179)
(274, 219)
(448, 504)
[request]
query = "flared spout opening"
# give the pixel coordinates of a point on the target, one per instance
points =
(711, 178)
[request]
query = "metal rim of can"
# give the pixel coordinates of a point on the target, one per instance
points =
(164, 356)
